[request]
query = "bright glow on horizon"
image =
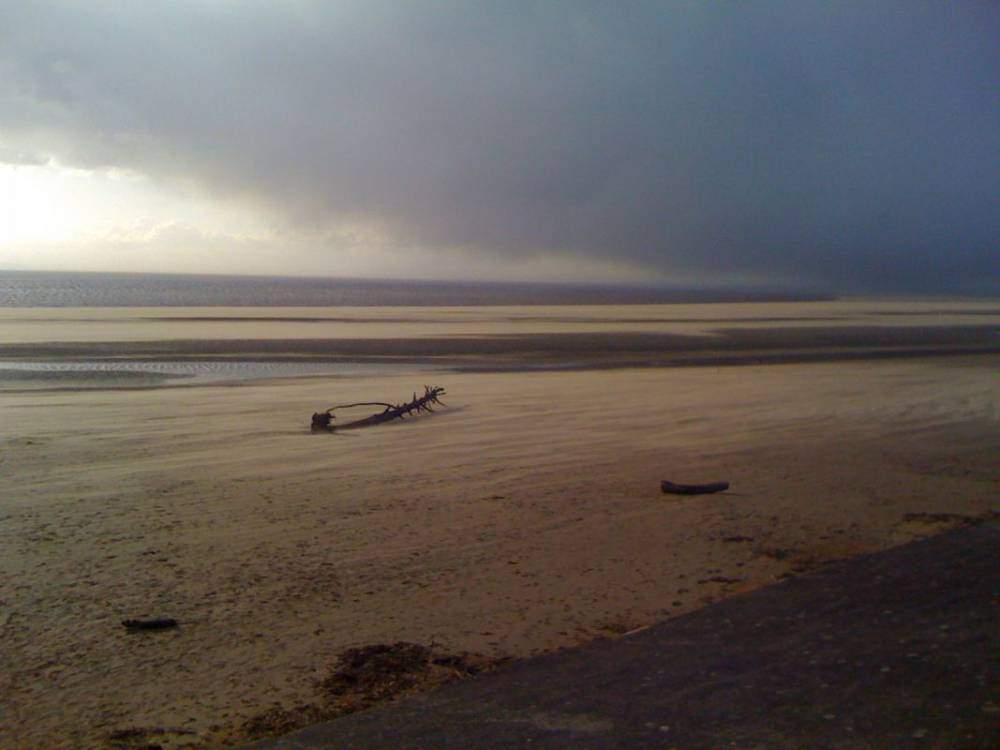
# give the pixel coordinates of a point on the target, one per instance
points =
(55, 217)
(59, 218)
(52, 203)
(35, 205)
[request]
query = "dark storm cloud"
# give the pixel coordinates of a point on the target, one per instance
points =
(844, 144)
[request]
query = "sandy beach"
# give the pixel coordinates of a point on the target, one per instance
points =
(525, 516)
(747, 246)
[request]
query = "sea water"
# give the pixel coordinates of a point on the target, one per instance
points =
(52, 289)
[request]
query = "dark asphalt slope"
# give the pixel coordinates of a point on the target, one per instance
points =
(893, 650)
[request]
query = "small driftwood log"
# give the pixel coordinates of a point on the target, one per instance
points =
(323, 421)
(161, 623)
(693, 489)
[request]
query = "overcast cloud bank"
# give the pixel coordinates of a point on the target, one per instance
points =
(849, 145)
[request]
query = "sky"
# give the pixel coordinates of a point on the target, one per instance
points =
(844, 146)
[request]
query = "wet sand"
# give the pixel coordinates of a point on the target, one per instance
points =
(490, 339)
(124, 326)
(524, 517)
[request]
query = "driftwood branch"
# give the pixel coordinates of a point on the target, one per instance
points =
(360, 403)
(693, 489)
(323, 421)
(161, 623)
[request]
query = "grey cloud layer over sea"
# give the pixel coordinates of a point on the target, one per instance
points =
(850, 145)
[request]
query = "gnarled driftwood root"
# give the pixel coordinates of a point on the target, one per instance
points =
(323, 421)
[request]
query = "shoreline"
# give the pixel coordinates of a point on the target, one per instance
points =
(90, 377)
(501, 341)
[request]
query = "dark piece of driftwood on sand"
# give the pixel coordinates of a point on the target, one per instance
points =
(693, 489)
(161, 623)
(323, 421)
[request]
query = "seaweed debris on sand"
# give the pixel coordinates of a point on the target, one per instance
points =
(363, 677)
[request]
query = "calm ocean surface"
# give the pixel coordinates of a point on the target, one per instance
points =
(43, 289)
